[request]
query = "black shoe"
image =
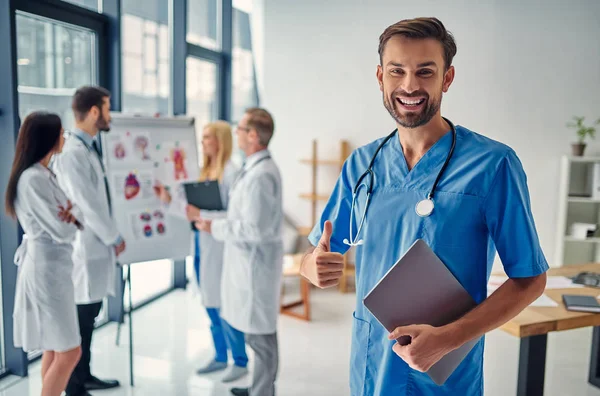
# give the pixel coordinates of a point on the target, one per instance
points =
(80, 394)
(94, 383)
(240, 391)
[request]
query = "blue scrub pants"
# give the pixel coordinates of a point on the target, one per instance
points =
(224, 336)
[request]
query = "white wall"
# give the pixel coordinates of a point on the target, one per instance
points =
(523, 68)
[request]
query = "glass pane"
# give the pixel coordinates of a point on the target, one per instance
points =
(54, 59)
(148, 279)
(134, 81)
(243, 93)
(163, 44)
(201, 93)
(150, 84)
(131, 41)
(150, 61)
(203, 23)
(163, 73)
(243, 5)
(145, 68)
(91, 4)
(151, 27)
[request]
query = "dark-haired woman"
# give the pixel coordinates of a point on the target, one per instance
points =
(45, 315)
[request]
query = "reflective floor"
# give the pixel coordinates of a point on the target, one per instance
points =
(172, 338)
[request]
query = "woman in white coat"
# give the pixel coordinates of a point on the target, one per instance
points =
(208, 253)
(45, 316)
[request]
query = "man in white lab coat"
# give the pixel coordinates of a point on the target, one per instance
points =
(253, 258)
(80, 173)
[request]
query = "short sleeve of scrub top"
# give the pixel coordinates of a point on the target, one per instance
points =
(507, 213)
(337, 210)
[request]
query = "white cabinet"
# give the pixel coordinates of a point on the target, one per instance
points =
(579, 202)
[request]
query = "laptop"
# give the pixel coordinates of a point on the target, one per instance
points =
(419, 289)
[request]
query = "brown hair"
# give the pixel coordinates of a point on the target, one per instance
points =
(38, 136)
(87, 97)
(421, 28)
(262, 121)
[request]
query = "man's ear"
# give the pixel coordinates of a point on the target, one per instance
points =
(253, 135)
(448, 79)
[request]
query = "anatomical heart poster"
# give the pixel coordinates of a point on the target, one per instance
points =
(133, 185)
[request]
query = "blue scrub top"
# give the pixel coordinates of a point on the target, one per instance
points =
(481, 206)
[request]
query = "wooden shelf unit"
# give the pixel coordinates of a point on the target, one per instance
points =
(314, 197)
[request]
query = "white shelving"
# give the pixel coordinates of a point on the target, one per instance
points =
(583, 159)
(587, 240)
(576, 205)
(583, 200)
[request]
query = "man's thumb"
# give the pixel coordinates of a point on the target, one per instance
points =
(325, 243)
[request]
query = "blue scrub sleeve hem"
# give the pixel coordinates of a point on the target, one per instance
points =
(522, 271)
(314, 238)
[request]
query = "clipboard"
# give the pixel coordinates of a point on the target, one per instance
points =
(204, 195)
(420, 289)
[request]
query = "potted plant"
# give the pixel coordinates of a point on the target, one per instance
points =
(582, 131)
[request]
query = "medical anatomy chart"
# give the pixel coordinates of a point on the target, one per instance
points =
(149, 223)
(172, 162)
(133, 185)
(129, 147)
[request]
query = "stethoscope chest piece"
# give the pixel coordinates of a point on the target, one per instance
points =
(424, 207)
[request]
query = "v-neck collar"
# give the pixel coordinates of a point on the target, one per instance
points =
(429, 162)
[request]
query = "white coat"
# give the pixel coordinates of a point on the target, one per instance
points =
(81, 175)
(45, 316)
(211, 250)
(252, 233)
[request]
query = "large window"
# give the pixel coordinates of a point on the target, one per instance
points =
(145, 56)
(53, 60)
(244, 92)
(203, 27)
(202, 94)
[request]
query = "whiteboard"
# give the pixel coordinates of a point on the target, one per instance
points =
(136, 152)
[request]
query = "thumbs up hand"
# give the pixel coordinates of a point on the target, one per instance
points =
(322, 267)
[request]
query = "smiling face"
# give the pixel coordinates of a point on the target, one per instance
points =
(412, 78)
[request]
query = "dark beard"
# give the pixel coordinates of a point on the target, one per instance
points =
(413, 120)
(102, 125)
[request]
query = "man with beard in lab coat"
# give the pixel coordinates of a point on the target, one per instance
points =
(80, 173)
(252, 267)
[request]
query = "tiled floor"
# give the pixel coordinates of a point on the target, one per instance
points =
(171, 338)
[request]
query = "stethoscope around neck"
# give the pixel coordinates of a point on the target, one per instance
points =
(423, 208)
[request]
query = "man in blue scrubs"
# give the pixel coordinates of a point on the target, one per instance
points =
(482, 206)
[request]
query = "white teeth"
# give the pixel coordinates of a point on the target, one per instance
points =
(411, 102)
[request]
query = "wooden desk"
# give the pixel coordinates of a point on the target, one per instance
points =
(293, 270)
(533, 324)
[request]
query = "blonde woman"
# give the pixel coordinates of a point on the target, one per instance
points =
(208, 253)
